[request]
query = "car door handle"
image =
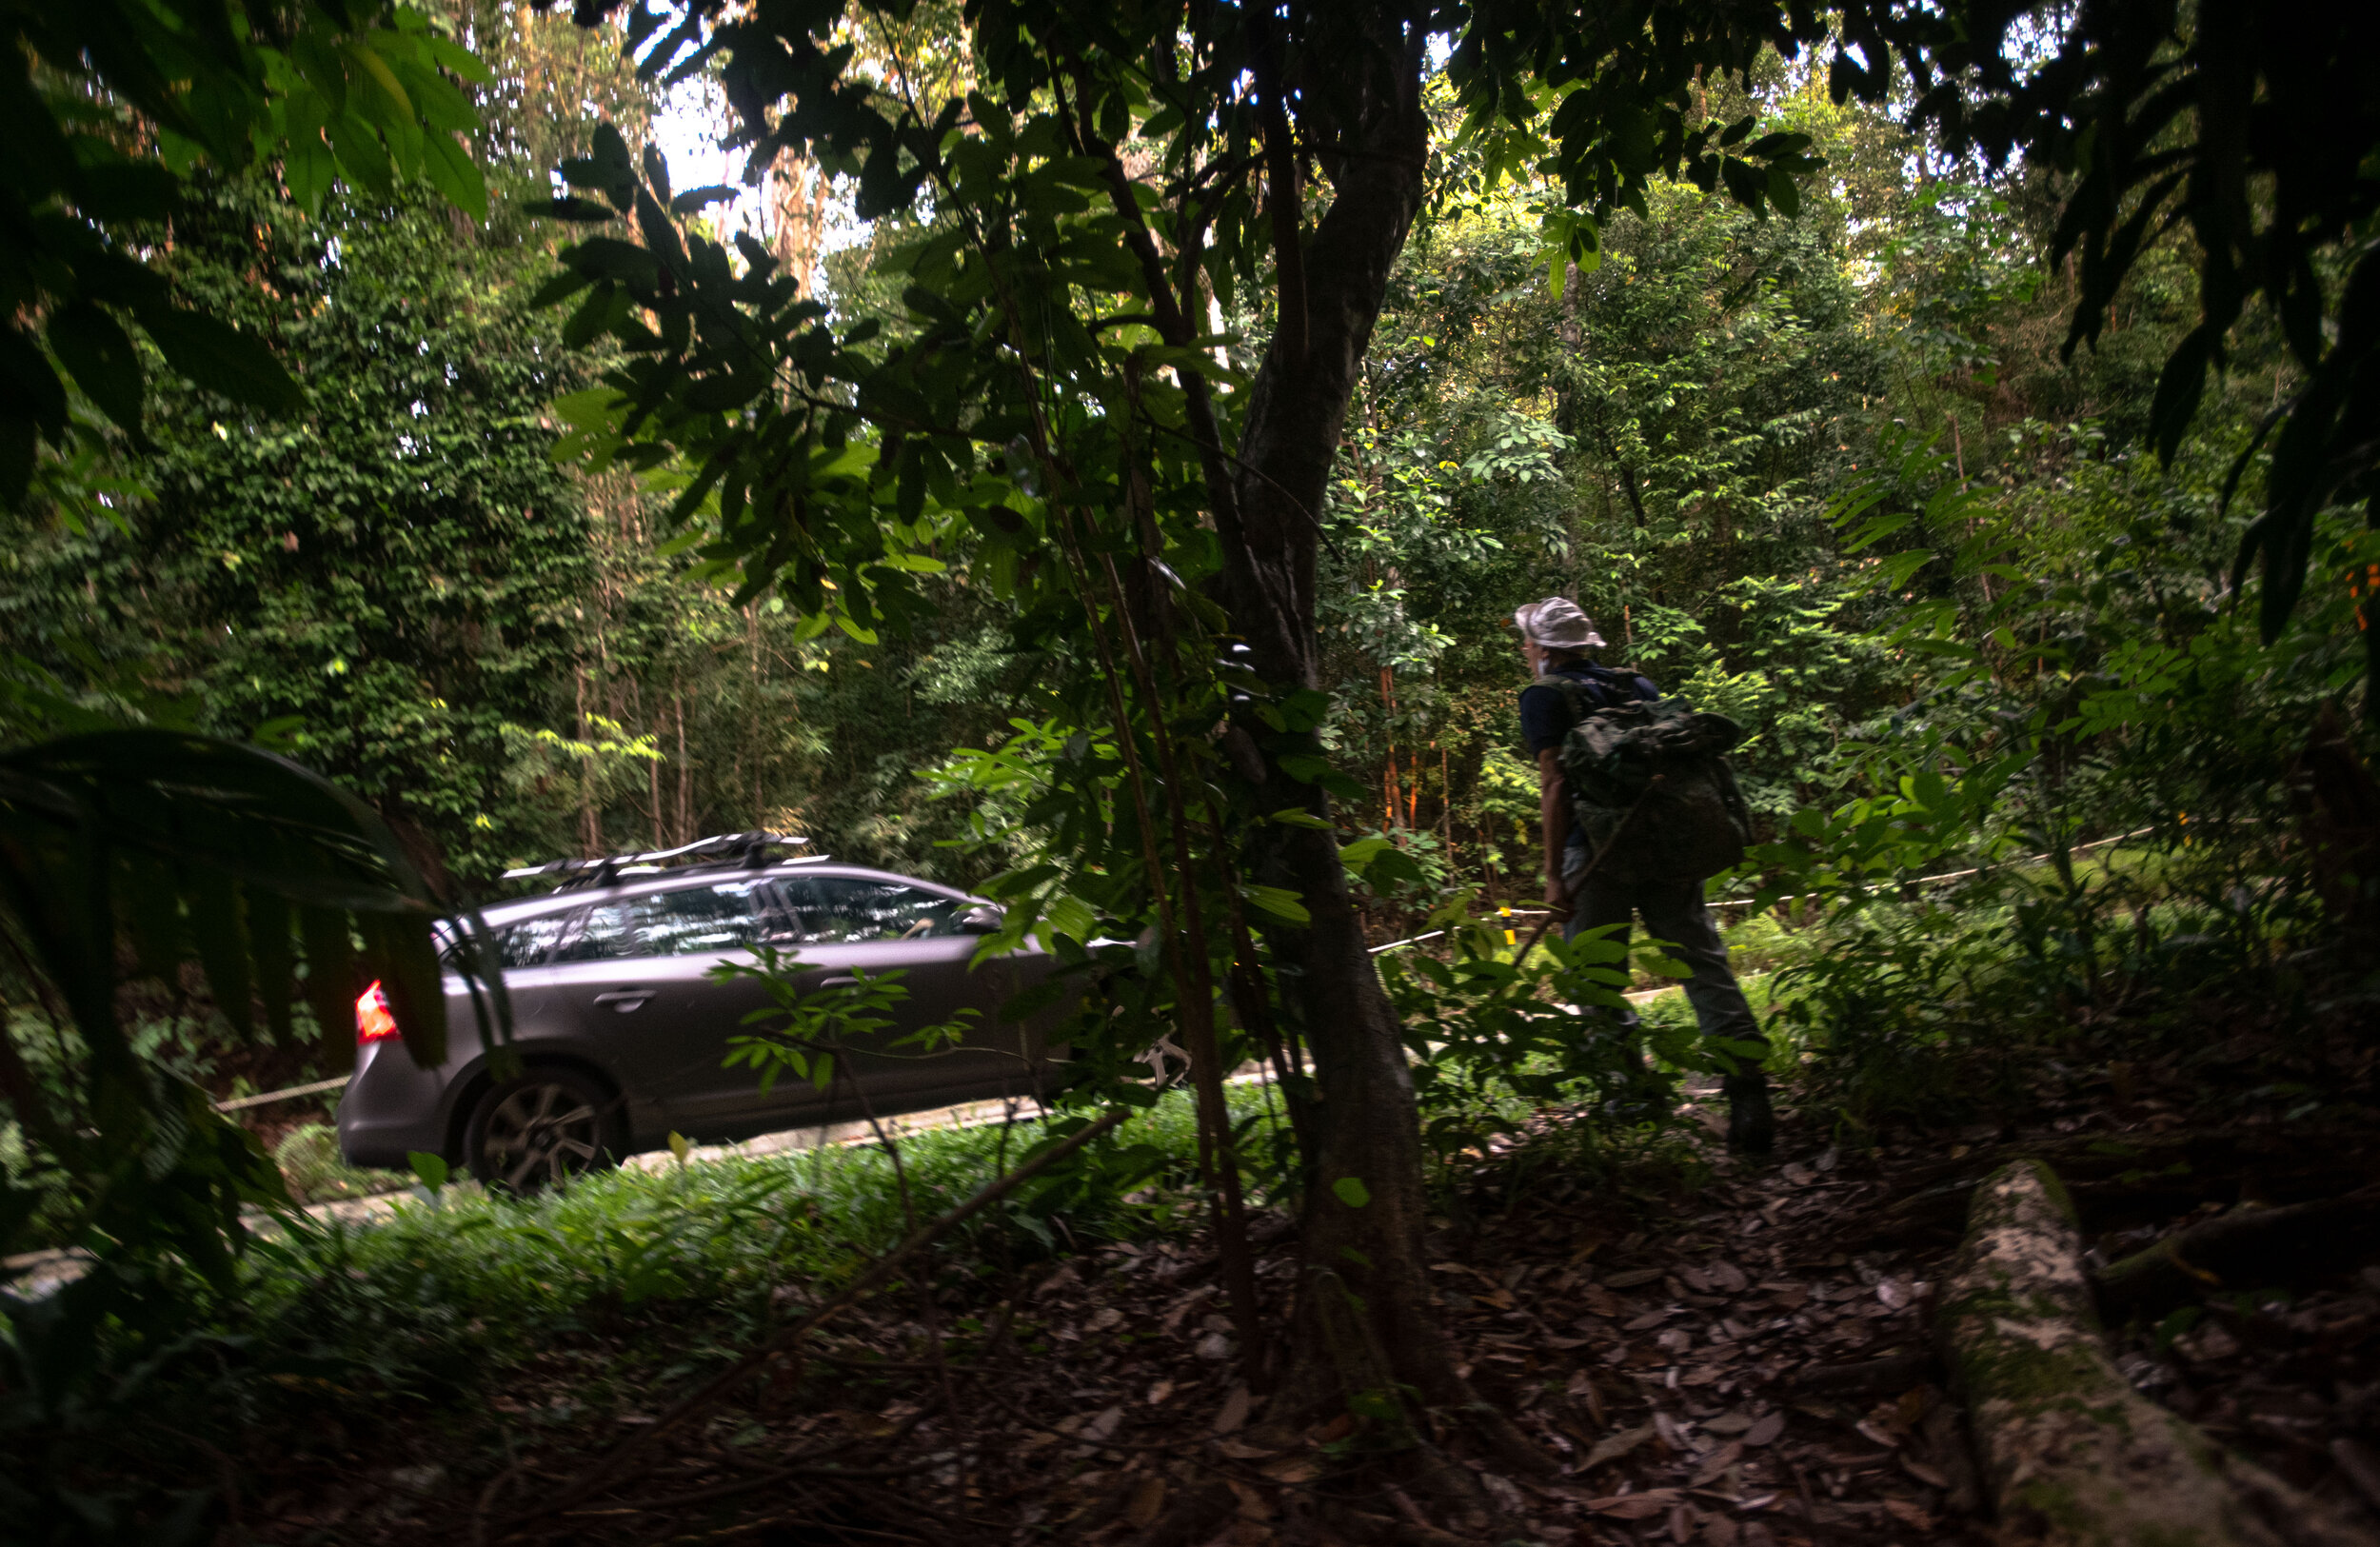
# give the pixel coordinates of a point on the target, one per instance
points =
(624, 1000)
(836, 983)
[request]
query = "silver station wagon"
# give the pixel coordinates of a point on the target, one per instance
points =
(622, 1032)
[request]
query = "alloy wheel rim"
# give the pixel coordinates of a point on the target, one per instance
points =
(541, 1135)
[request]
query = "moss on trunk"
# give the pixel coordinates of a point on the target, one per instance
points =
(2071, 1454)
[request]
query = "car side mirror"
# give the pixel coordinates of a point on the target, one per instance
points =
(979, 920)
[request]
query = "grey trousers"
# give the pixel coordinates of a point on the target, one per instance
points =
(1673, 911)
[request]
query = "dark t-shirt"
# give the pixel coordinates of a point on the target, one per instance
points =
(1545, 711)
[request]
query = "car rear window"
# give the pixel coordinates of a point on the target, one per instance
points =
(833, 909)
(719, 918)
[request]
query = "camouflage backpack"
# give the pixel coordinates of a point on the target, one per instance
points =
(1692, 825)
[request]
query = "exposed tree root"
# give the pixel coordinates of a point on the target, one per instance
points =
(2070, 1452)
(2247, 1248)
(2144, 1177)
(1192, 1518)
(1882, 1378)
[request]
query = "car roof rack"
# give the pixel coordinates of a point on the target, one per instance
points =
(750, 851)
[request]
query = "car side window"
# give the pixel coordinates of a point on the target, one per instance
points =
(841, 909)
(718, 920)
(522, 944)
(529, 942)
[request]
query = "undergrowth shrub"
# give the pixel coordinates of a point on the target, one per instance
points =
(110, 1376)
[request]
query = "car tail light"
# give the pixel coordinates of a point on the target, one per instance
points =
(374, 1020)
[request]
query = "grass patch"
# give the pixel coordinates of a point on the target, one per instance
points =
(720, 1238)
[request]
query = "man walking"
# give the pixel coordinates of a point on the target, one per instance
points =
(1558, 640)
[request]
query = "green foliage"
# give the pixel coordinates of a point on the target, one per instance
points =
(1494, 1040)
(202, 851)
(111, 105)
(308, 1159)
(2163, 117)
(2099, 690)
(394, 579)
(805, 1030)
(107, 1377)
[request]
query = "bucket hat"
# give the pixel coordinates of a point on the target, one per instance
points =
(1557, 624)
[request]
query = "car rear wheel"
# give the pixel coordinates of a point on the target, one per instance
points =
(539, 1129)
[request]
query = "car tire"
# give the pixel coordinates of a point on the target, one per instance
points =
(539, 1129)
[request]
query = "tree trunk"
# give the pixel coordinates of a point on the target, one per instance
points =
(1364, 1324)
(797, 211)
(2070, 1453)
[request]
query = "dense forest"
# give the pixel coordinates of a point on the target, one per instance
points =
(916, 502)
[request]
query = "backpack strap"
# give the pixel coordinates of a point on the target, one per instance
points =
(1590, 687)
(1584, 697)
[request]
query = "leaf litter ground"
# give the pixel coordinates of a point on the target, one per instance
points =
(1741, 1362)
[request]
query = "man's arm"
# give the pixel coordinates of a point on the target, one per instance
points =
(1553, 816)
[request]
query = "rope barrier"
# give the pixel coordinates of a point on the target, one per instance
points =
(319, 1087)
(1747, 901)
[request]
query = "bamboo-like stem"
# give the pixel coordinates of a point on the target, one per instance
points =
(1198, 1011)
(1191, 971)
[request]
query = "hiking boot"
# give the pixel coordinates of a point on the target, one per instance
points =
(1751, 1126)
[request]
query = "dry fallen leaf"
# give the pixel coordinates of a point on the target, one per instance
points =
(1253, 1505)
(1148, 1497)
(1925, 1473)
(1727, 1277)
(1160, 1393)
(1765, 1430)
(1235, 1411)
(1098, 1430)
(1910, 1515)
(1611, 1447)
(1293, 1469)
(1728, 1424)
(1641, 1506)
(1633, 1277)
(1717, 1462)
